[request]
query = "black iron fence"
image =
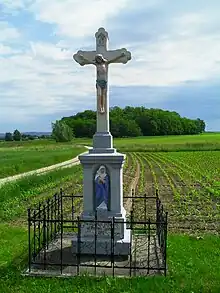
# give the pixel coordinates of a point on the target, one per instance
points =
(53, 225)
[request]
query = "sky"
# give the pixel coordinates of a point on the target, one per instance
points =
(175, 65)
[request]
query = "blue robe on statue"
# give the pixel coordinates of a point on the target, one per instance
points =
(101, 191)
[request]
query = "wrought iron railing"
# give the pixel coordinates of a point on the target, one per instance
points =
(53, 223)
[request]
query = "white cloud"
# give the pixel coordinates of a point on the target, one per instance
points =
(169, 62)
(6, 50)
(45, 83)
(45, 79)
(14, 5)
(183, 53)
(77, 18)
(49, 51)
(8, 33)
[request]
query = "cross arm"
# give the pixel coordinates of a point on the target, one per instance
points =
(85, 57)
(119, 56)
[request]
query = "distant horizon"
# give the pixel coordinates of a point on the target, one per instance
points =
(2, 134)
(72, 113)
(27, 132)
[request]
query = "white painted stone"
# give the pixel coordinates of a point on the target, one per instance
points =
(103, 154)
(109, 56)
(120, 247)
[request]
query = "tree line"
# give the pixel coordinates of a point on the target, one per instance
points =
(130, 122)
(18, 136)
(126, 122)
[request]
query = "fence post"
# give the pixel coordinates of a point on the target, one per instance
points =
(61, 231)
(55, 214)
(39, 223)
(112, 245)
(131, 227)
(51, 218)
(78, 244)
(61, 201)
(157, 215)
(145, 211)
(165, 244)
(148, 247)
(132, 220)
(72, 210)
(95, 241)
(29, 240)
(58, 212)
(132, 199)
(44, 235)
(34, 238)
(48, 222)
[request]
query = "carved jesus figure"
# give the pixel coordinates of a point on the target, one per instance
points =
(102, 78)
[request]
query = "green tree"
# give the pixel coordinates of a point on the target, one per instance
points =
(61, 132)
(17, 135)
(135, 121)
(200, 125)
(8, 136)
(84, 127)
(121, 127)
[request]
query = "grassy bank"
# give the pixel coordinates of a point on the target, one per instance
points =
(193, 267)
(16, 160)
(16, 197)
(169, 143)
(206, 141)
(19, 157)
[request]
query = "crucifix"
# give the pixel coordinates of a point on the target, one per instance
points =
(101, 58)
(103, 165)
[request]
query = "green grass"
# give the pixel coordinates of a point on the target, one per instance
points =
(16, 197)
(207, 164)
(193, 267)
(193, 264)
(19, 157)
(41, 142)
(16, 160)
(205, 141)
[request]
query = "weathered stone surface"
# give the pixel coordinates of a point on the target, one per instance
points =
(102, 245)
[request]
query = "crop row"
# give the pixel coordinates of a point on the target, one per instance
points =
(195, 173)
(187, 199)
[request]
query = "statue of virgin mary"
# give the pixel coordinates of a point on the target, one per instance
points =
(101, 188)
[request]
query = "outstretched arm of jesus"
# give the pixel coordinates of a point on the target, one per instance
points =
(86, 60)
(116, 58)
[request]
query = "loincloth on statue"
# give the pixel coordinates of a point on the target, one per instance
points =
(101, 83)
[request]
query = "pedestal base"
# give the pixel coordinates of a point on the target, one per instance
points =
(102, 143)
(103, 234)
(103, 230)
(103, 246)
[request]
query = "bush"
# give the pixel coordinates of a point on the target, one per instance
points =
(61, 132)
(8, 136)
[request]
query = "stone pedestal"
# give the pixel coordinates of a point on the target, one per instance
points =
(102, 143)
(110, 236)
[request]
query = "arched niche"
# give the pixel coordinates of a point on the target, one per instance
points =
(101, 187)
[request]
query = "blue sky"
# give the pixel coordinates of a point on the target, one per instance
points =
(175, 64)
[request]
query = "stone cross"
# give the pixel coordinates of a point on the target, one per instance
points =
(101, 58)
(103, 165)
